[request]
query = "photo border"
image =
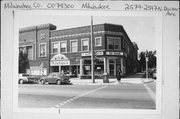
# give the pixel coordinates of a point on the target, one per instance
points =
(159, 33)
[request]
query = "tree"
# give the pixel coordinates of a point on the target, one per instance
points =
(151, 59)
(23, 61)
(151, 55)
(142, 61)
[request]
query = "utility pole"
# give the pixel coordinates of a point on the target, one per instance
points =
(146, 65)
(92, 52)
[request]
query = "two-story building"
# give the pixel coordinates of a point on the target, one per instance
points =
(69, 50)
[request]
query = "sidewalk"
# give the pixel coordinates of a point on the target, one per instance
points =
(133, 79)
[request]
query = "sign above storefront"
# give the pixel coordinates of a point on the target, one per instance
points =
(86, 54)
(59, 60)
(96, 53)
(115, 53)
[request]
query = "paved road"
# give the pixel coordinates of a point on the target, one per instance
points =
(128, 96)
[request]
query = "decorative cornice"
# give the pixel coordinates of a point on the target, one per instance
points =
(88, 33)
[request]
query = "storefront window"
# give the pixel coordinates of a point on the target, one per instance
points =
(42, 50)
(98, 67)
(63, 46)
(85, 44)
(74, 46)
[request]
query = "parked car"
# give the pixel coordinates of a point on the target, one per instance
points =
(26, 78)
(55, 78)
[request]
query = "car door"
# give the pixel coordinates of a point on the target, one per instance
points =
(53, 78)
(49, 79)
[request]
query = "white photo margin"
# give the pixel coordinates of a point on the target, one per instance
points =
(158, 18)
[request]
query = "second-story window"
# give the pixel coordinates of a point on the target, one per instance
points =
(63, 47)
(85, 44)
(113, 43)
(74, 46)
(98, 41)
(42, 49)
(116, 44)
(55, 47)
(110, 44)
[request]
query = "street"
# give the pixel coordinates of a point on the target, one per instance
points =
(117, 96)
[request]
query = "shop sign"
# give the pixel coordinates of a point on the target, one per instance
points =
(86, 54)
(59, 60)
(99, 53)
(114, 53)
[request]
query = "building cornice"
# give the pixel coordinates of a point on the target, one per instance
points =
(87, 34)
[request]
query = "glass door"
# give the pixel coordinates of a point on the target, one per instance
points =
(111, 68)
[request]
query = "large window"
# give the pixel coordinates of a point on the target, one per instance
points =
(98, 41)
(42, 50)
(55, 47)
(114, 43)
(74, 46)
(29, 52)
(63, 47)
(85, 44)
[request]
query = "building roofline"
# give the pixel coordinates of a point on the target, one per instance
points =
(38, 27)
(87, 26)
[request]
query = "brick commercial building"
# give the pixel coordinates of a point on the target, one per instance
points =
(69, 50)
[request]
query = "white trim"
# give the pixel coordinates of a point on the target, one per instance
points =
(83, 39)
(60, 46)
(76, 40)
(100, 41)
(88, 33)
(45, 49)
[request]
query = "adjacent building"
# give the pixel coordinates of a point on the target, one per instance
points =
(69, 50)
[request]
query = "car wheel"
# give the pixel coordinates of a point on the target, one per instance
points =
(42, 82)
(58, 82)
(21, 81)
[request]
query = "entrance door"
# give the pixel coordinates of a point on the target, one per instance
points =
(111, 67)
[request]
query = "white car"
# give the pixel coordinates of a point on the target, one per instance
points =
(25, 78)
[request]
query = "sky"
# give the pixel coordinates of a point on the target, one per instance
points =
(140, 29)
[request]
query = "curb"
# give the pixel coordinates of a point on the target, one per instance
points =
(139, 81)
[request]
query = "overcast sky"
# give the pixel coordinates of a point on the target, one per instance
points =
(139, 29)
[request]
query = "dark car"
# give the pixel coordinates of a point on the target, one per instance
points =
(26, 78)
(55, 78)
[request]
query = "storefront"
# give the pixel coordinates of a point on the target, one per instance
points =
(61, 63)
(105, 62)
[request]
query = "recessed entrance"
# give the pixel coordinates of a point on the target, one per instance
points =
(112, 68)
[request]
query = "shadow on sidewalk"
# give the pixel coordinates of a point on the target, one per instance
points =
(137, 75)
